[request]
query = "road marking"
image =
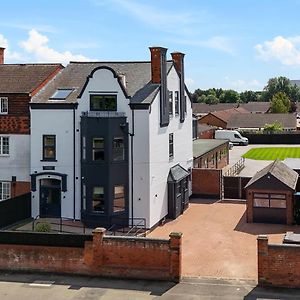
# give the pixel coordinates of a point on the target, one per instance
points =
(40, 283)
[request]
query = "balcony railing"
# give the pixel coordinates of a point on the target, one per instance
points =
(103, 114)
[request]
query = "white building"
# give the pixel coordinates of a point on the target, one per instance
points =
(111, 142)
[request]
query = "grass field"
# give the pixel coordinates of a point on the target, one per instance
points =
(273, 153)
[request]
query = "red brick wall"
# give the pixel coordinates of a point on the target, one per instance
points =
(278, 265)
(208, 134)
(18, 119)
(206, 182)
(19, 188)
(121, 257)
(213, 121)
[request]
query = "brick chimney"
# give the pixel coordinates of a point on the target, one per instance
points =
(158, 63)
(178, 59)
(2, 55)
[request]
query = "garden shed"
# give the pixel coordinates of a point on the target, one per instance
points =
(270, 194)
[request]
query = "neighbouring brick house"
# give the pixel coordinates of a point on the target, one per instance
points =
(221, 118)
(205, 131)
(270, 194)
(210, 153)
(18, 83)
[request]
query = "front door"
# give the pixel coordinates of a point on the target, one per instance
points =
(50, 198)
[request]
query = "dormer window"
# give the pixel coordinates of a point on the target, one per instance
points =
(103, 102)
(61, 94)
(3, 105)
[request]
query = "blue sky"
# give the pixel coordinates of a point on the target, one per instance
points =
(236, 44)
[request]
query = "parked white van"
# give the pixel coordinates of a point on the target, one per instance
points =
(232, 135)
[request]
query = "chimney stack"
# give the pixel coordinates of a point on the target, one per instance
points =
(158, 63)
(2, 55)
(178, 58)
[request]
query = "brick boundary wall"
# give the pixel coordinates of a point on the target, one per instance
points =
(108, 256)
(206, 182)
(278, 264)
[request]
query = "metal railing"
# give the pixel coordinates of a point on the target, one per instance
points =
(236, 168)
(103, 114)
(61, 225)
(122, 227)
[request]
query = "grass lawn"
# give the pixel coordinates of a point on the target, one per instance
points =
(273, 153)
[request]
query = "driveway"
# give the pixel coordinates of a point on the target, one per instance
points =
(217, 241)
(251, 166)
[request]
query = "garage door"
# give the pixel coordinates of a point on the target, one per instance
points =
(269, 208)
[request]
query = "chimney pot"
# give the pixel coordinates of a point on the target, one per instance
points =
(2, 55)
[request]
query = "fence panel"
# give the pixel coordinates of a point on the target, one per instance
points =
(15, 209)
(234, 187)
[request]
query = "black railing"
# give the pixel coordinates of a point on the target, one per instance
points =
(236, 168)
(62, 225)
(121, 226)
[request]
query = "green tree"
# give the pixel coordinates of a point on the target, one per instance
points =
(274, 127)
(230, 96)
(280, 103)
(248, 96)
(201, 99)
(212, 99)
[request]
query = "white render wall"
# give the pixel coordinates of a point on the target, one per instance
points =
(160, 163)
(17, 163)
(59, 123)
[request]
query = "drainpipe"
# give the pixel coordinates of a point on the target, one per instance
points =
(131, 138)
(74, 164)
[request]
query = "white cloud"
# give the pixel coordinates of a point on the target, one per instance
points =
(241, 85)
(169, 21)
(15, 56)
(284, 50)
(37, 45)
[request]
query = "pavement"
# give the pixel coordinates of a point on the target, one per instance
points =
(217, 240)
(251, 166)
(14, 286)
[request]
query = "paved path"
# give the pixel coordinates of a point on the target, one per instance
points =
(53, 287)
(217, 241)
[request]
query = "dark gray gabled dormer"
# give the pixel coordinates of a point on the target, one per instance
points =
(159, 76)
(178, 59)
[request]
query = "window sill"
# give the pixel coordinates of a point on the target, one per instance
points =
(49, 160)
(4, 155)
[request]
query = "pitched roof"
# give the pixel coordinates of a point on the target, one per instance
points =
(260, 120)
(280, 171)
(199, 108)
(261, 107)
(177, 173)
(137, 76)
(225, 115)
(24, 78)
(202, 146)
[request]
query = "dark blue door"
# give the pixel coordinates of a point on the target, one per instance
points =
(50, 198)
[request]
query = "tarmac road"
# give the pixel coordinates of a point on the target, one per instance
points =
(16, 286)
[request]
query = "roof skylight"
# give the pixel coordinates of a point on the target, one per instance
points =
(61, 94)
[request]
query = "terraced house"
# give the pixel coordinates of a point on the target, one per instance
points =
(18, 83)
(112, 141)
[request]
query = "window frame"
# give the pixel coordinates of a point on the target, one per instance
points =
(7, 183)
(269, 199)
(171, 103)
(118, 197)
(176, 102)
(95, 148)
(2, 145)
(3, 100)
(52, 146)
(171, 145)
(104, 95)
(101, 199)
(114, 151)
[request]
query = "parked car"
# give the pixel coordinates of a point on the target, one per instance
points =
(232, 135)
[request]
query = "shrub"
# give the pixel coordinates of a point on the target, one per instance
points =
(43, 227)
